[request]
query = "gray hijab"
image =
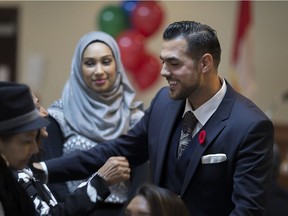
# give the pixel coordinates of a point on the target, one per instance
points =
(96, 116)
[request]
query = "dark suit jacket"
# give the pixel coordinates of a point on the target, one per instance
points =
(238, 128)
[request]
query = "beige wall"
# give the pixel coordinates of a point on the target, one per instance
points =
(49, 32)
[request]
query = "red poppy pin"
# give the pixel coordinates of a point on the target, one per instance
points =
(202, 137)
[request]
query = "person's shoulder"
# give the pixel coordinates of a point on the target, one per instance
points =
(249, 108)
(163, 89)
(136, 115)
(163, 92)
(56, 108)
(57, 104)
(242, 105)
(53, 123)
(56, 114)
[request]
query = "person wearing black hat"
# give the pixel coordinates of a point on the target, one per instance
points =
(19, 125)
(21, 130)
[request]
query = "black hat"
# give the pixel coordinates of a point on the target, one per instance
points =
(17, 109)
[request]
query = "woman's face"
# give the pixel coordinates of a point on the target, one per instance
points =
(138, 206)
(19, 148)
(98, 67)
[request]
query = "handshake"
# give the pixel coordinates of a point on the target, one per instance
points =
(38, 172)
(116, 169)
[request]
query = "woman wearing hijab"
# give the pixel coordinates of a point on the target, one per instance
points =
(97, 105)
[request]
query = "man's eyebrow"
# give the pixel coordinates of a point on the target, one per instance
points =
(169, 58)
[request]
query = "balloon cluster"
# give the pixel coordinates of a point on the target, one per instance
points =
(131, 23)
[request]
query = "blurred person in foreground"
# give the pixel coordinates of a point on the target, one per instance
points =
(154, 201)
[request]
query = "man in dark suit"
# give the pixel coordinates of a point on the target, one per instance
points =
(226, 167)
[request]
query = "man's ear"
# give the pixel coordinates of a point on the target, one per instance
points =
(206, 62)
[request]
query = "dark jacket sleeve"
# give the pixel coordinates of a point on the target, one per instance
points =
(52, 146)
(84, 199)
(81, 164)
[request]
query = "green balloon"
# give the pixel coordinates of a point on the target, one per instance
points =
(113, 20)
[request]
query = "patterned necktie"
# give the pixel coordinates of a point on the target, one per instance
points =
(189, 122)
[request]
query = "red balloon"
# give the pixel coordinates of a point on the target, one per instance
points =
(132, 46)
(147, 17)
(148, 72)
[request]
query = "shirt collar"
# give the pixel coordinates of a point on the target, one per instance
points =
(206, 110)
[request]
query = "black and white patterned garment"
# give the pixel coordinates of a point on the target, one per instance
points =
(81, 202)
(75, 141)
(42, 198)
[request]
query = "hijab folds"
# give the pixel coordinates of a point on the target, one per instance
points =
(97, 116)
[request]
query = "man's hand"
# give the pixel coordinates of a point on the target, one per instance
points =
(115, 169)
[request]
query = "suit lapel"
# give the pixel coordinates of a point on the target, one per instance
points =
(213, 127)
(171, 117)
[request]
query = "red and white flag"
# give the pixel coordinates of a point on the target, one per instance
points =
(243, 71)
